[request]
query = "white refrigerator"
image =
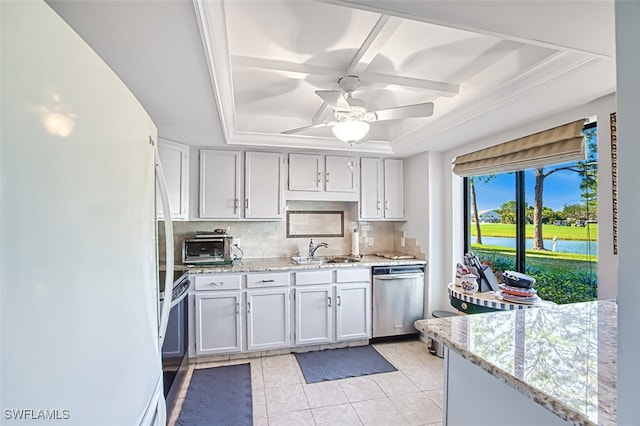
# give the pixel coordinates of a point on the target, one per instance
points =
(80, 322)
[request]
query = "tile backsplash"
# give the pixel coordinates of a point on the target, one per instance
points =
(259, 239)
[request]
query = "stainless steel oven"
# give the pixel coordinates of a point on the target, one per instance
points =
(398, 299)
(176, 343)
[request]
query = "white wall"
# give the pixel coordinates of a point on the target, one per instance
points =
(628, 70)
(451, 195)
(416, 189)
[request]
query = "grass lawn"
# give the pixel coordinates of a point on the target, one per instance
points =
(548, 231)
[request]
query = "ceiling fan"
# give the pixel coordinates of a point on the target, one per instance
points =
(352, 118)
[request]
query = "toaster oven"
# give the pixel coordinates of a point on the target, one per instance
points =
(208, 250)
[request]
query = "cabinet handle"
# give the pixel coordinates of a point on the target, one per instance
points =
(319, 176)
(238, 308)
(338, 301)
(327, 177)
(246, 203)
(217, 283)
(386, 205)
(378, 205)
(329, 301)
(248, 307)
(235, 205)
(268, 281)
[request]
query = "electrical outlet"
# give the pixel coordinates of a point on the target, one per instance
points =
(236, 241)
(370, 241)
(402, 242)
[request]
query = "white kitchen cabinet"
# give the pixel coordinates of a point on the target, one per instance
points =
(218, 322)
(264, 181)
(322, 177)
(332, 307)
(268, 319)
(381, 189)
(314, 314)
(222, 179)
(340, 175)
(353, 311)
(174, 159)
(305, 172)
(219, 184)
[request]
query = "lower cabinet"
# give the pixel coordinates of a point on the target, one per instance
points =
(218, 323)
(333, 312)
(353, 311)
(314, 315)
(253, 312)
(268, 319)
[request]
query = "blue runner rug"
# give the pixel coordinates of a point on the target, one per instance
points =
(334, 364)
(218, 396)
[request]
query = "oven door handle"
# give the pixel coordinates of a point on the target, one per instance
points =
(398, 277)
(182, 294)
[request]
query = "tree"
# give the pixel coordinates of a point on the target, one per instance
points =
(507, 212)
(589, 185)
(474, 202)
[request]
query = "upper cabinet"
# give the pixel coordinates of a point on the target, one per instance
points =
(382, 189)
(219, 184)
(174, 159)
(263, 185)
(322, 177)
(223, 195)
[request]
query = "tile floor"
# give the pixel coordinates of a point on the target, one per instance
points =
(410, 396)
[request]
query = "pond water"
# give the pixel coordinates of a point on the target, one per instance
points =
(564, 246)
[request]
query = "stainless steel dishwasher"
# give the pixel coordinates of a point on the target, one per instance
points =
(398, 299)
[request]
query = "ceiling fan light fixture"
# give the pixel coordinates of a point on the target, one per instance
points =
(350, 131)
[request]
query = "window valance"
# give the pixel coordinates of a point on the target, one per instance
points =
(561, 144)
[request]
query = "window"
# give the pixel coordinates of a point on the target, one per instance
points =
(540, 221)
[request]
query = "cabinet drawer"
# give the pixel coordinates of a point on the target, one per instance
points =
(276, 279)
(314, 277)
(347, 275)
(217, 282)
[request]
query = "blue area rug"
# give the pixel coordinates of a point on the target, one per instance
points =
(218, 396)
(334, 364)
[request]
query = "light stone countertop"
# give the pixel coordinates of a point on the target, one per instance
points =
(286, 264)
(562, 357)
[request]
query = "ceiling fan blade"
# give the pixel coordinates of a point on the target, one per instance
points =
(335, 99)
(406, 111)
(311, 126)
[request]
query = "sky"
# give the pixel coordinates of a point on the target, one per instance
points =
(559, 189)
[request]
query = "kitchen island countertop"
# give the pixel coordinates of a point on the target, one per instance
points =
(286, 264)
(562, 357)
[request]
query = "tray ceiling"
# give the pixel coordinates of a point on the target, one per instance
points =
(240, 72)
(277, 53)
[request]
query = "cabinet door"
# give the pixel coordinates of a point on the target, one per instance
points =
(263, 183)
(218, 323)
(268, 319)
(353, 311)
(314, 308)
(219, 184)
(305, 172)
(174, 159)
(393, 189)
(340, 175)
(370, 188)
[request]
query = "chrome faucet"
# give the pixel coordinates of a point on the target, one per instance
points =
(312, 248)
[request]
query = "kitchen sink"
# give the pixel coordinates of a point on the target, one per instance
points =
(343, 259)
(301, 260)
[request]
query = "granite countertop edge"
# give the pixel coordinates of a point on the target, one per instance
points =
(285, 264)
(437, 329)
